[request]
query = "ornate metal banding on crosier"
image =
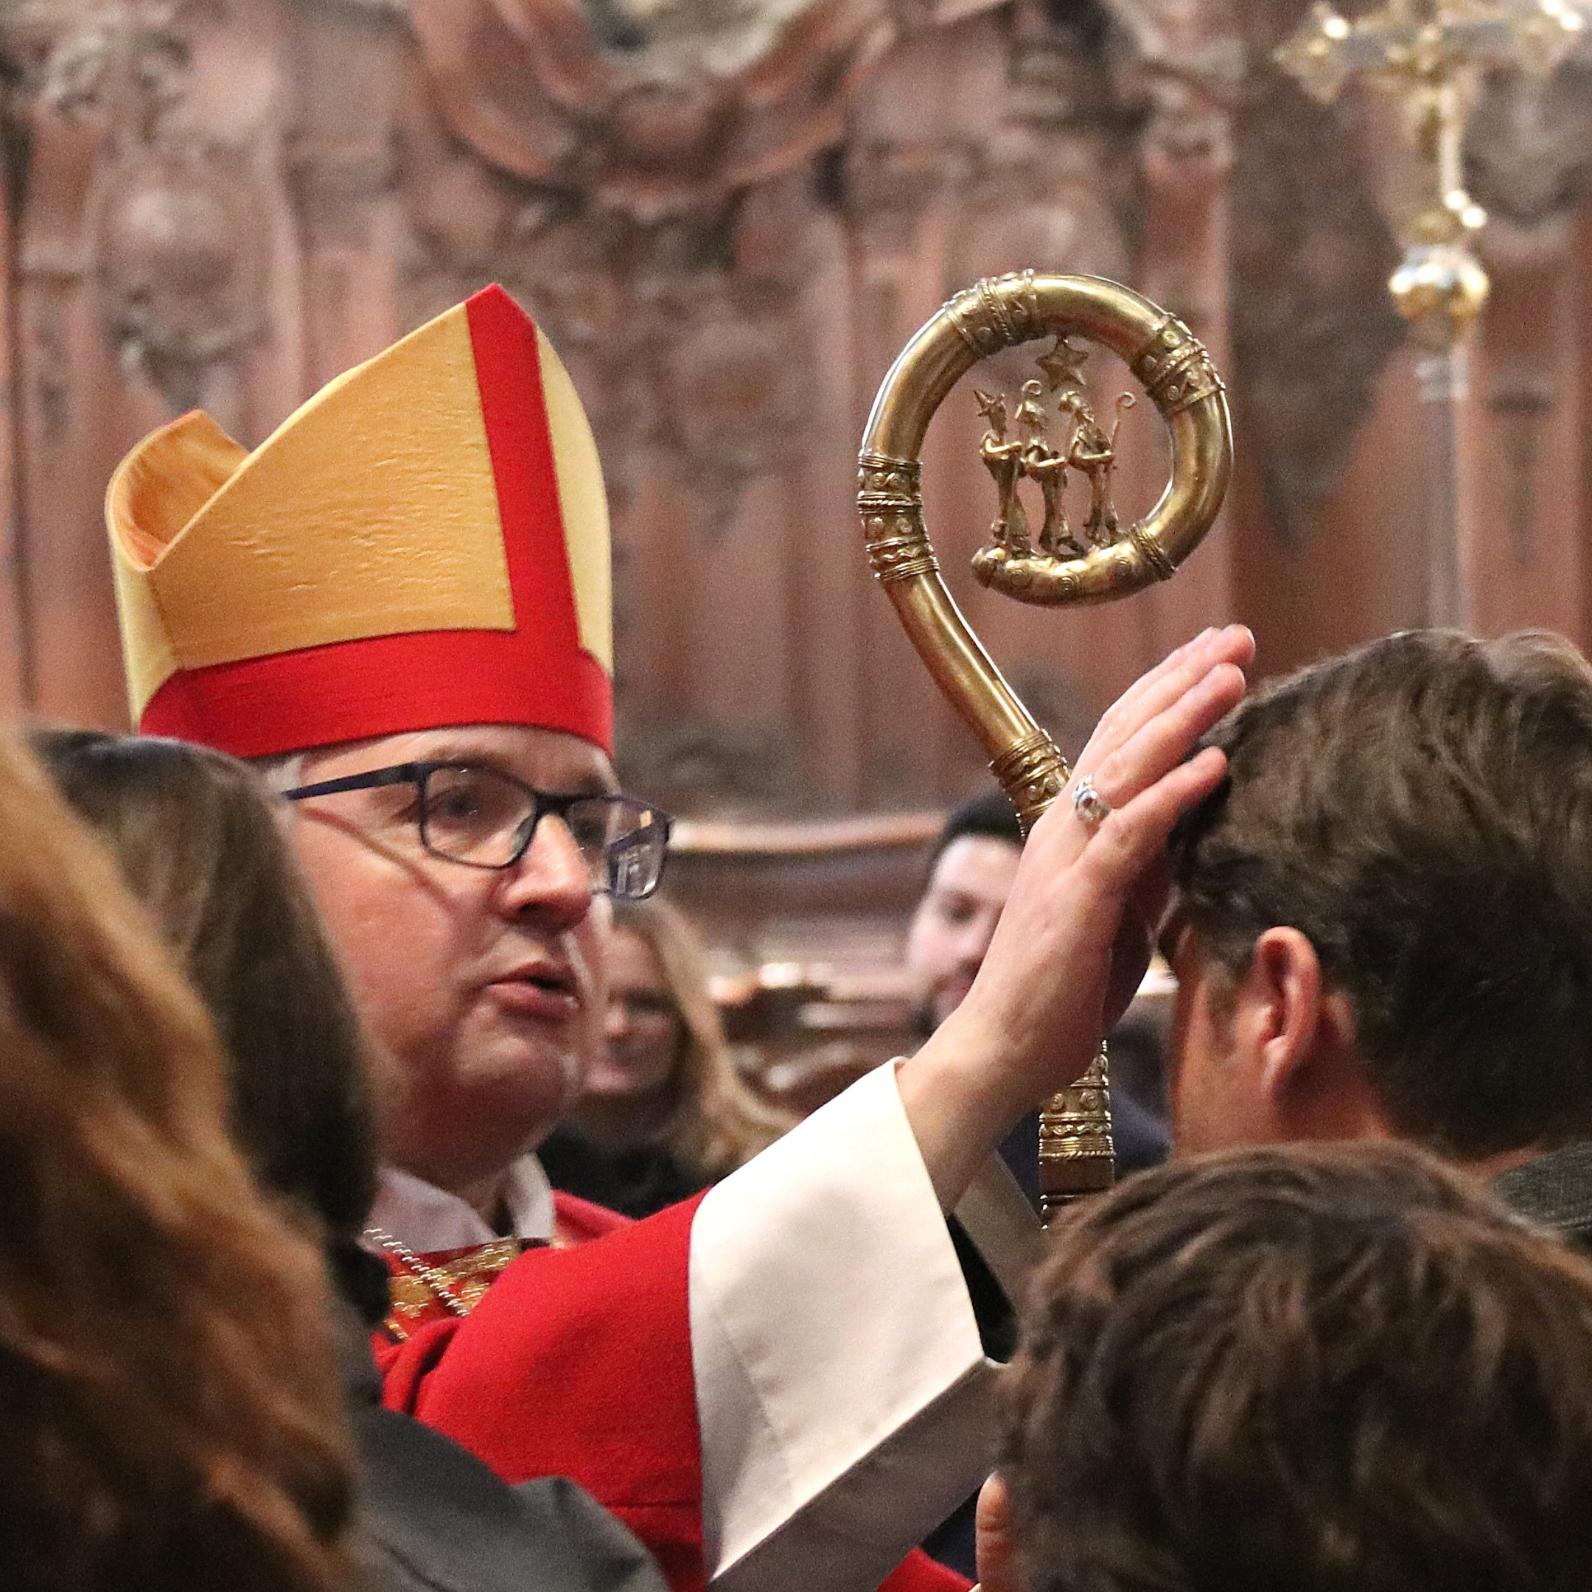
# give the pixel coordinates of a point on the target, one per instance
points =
(1054, 566)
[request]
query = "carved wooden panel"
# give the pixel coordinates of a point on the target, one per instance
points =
(729, 219)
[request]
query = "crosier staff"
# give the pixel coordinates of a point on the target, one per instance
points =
(1075, 1149)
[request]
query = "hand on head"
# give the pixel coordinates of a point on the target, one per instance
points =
(1074, 938)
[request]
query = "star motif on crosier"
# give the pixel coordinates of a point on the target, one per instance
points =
(1063, 365)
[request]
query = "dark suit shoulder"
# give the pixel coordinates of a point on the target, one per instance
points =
(434, 1519)
(1555, 1189)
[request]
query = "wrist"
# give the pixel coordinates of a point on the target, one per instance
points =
(958, 1104)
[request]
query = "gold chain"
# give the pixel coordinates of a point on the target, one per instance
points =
(429, 1275)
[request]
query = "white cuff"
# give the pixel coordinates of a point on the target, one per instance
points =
(842, 1391)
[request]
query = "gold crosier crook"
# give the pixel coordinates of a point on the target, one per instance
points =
(1054, 568)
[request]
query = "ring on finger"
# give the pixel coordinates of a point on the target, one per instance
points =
(1088, 803)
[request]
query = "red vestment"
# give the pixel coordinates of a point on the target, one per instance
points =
(577, 1362)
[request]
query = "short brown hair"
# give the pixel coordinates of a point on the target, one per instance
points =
(1421, 809)
(986, 816)
(1330, 1368)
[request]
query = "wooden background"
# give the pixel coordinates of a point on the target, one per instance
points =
(729, 219)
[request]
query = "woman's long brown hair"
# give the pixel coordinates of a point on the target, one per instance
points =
(196, 838)
(165, 1369)
(715, 1123)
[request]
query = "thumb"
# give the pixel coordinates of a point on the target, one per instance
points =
(995, 1547)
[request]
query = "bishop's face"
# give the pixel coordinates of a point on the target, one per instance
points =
(486, 986)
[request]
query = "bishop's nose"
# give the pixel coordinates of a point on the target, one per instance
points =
(552, 881)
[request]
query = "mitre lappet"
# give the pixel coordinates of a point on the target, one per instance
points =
(424, 543)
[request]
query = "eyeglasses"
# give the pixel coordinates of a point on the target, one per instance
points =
(481, 817)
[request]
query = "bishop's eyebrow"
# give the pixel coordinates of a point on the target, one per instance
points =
(586, 783)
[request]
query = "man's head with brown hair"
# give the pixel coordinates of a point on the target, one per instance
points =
(1320, 1369)
(1382, 920)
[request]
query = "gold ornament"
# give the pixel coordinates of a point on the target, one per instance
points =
(1052, 568)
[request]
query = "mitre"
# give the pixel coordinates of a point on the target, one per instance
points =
(424, 543)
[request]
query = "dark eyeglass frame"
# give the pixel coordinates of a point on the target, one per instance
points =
(543, 803)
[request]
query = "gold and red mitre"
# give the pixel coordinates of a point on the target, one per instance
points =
(422, 544)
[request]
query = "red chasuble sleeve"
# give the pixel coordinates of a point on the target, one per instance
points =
(577, 1363)
(578, 1221)
(919, 1573)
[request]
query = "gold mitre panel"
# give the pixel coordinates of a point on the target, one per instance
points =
(372, 510)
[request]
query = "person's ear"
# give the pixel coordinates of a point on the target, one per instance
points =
(1297, 1036)
(1277, 1008)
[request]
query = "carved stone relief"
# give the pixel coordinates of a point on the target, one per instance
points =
(176, 251)
(1180, 65)
(178, 257)
(684, 357)
(1528, 150)
(1052, 182)
(887, 186)
(1205, 45)
(734, 390)
(727, 213)
(1067, 97)
(650, 106)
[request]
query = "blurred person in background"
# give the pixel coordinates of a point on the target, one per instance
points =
(195, 836)
(166, 1364)
(1316, 1367)
(970, 874)
(662, 1113)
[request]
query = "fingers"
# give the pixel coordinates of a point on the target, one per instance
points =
(994, 1549)
(1131, 840)
(1159, 745)
(1151, 736)
(1152, 693)
(1173, 660)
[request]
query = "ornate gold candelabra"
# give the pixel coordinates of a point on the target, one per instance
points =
(1052, 566)
(1431, 55)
